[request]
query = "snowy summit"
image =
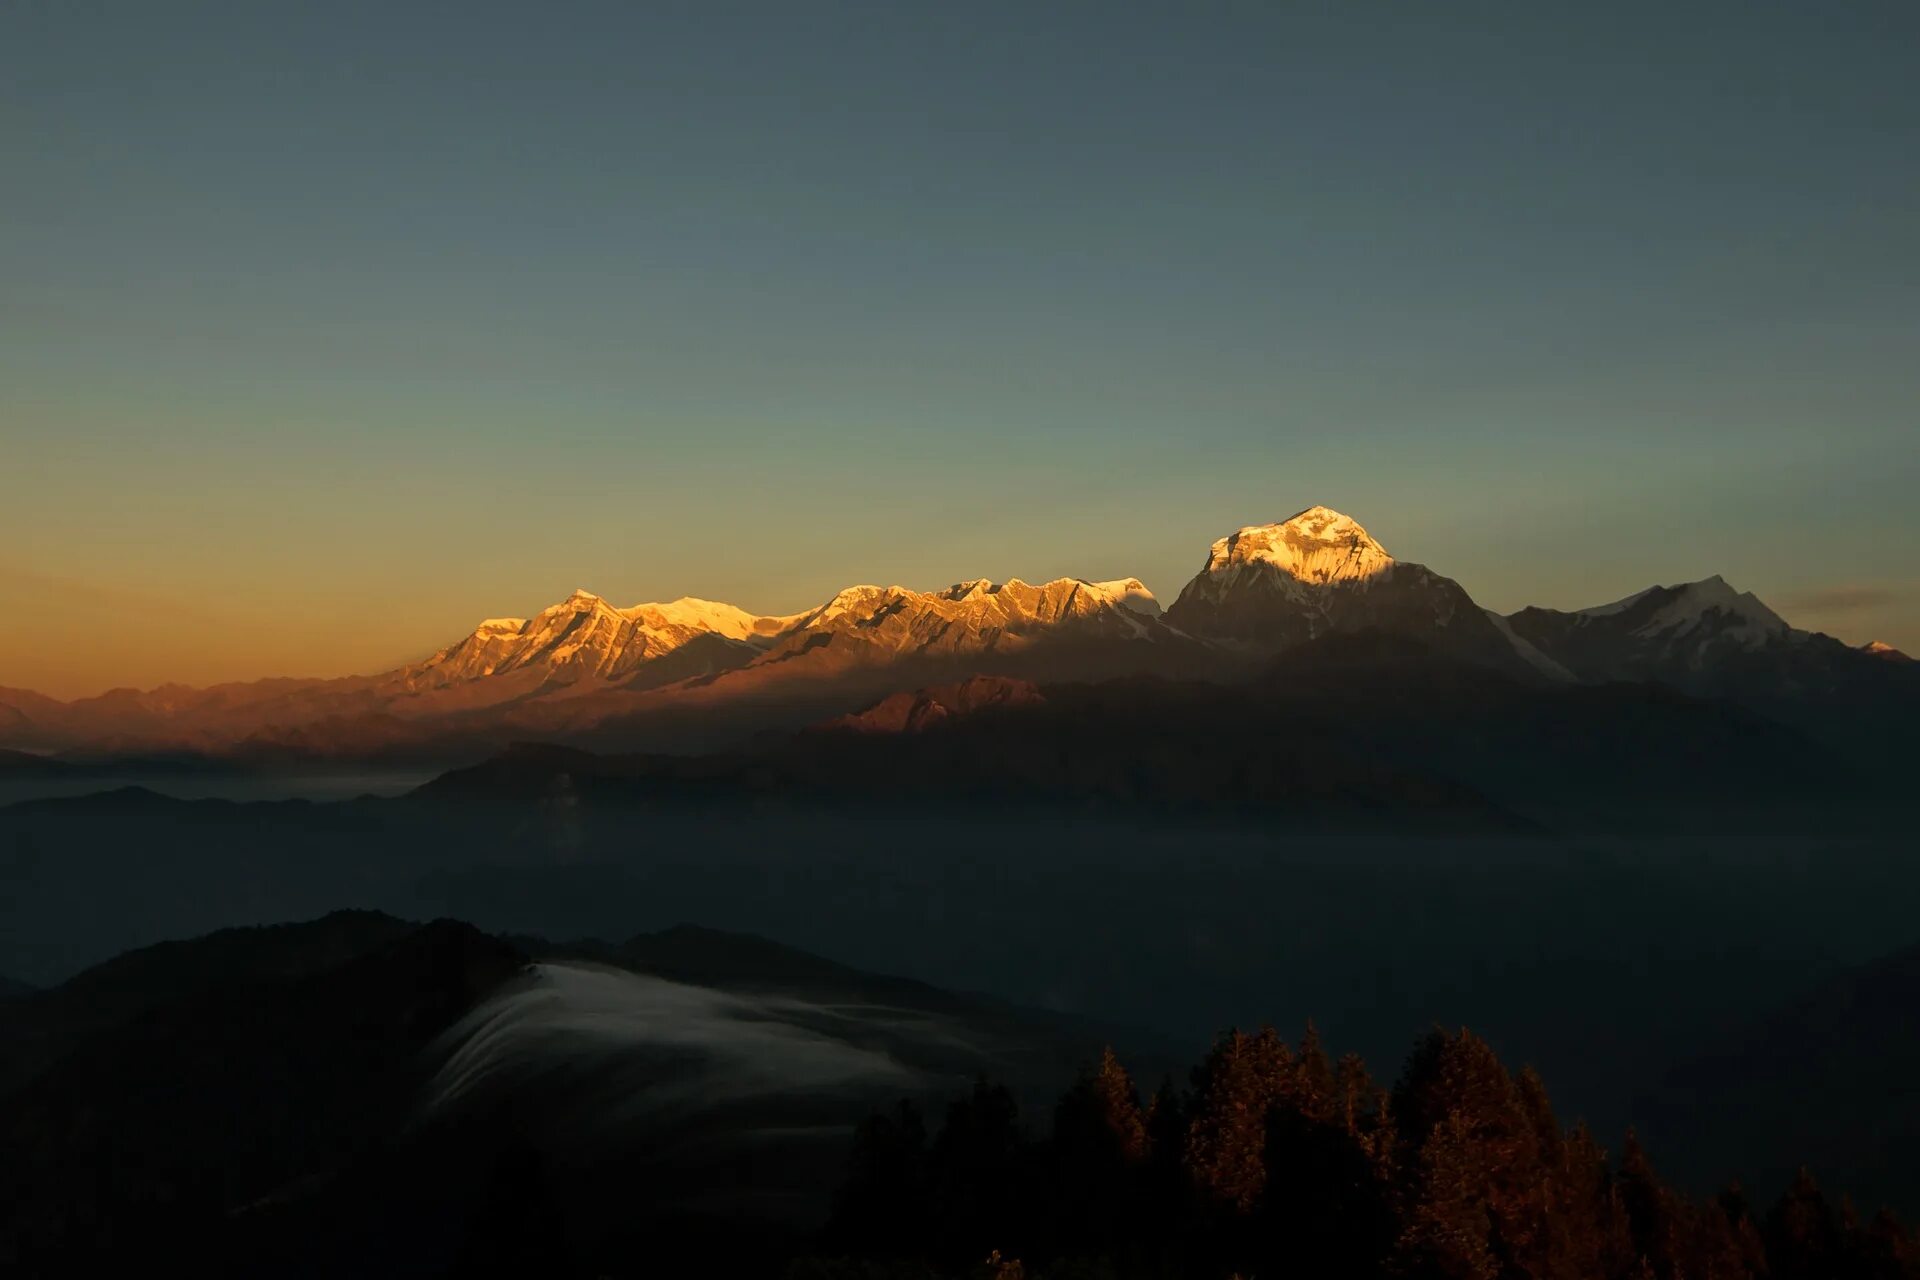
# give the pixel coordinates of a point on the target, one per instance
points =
(1682, 609)
(1319, 546)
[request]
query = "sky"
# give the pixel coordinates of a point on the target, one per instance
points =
(327, 330)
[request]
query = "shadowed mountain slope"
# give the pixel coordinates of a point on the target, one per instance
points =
(1825, 1080)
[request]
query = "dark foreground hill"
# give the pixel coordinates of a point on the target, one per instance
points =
(1830, 1076)
(354, 1093)
(180, 1086)
(359, 1095)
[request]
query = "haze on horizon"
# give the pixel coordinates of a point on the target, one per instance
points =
(328, 330)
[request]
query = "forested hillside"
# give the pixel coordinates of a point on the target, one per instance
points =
(1276, 1161)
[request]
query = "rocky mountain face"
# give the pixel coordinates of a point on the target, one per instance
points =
(865, 626)
(585, 661)
(1370, 731)
(870, 641)
(701, 673)
(1711, 640)
(916, 710)
(1659, 633)
(1272, 587)
(584, 637)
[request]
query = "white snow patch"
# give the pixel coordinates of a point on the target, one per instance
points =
(1752, 620)
(1131, 594)
(1318, 547)
(1521, 645)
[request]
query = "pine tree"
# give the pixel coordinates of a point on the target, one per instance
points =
(978, 1175)
(1226, 1140)
(1354, 1092)
(1470, 1161)
(883, 1207)
(1802, 1233)
(1884, 1250)
(1446, 1230)
(1098, 1153)
(1166, 1124)
(1566, 1206)
(1166, 1185)
(1711, 1247)
(1678, 1239)
(1316, 1091)
(1119, 1109)
(1586, 1161)
(1615, 1229)
(1652, 1213)
(1324, 1209)
(1733, 1206)
(1100, 1117)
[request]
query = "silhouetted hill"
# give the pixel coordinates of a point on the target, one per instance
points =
(1617, 757)
(1147, 746)
(138, 802)
(199, 1085)
(118, 802)
(1826, 1080)
(912, 711)
(41, 1030)
(1707, 639)
(1371, 730)
(348, 1093)
(25, 764)
(1361, 730)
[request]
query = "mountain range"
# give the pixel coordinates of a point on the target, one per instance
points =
(695, 675)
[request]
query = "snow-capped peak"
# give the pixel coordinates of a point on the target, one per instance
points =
(688, 613)
(1318, 545)
(851, 600)
(1684, 607)
(974, 588)
(581, 601)
(585, 636)
(1270, 587)
(1131, 593)
(976, 615)
(695, 614)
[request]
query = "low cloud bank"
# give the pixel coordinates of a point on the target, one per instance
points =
(621, 1051)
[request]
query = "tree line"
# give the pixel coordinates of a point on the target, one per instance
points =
(1275, 1161)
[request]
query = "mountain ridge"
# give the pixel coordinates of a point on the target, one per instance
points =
(704, 672)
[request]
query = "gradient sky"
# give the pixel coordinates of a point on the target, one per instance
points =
(328, 329)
